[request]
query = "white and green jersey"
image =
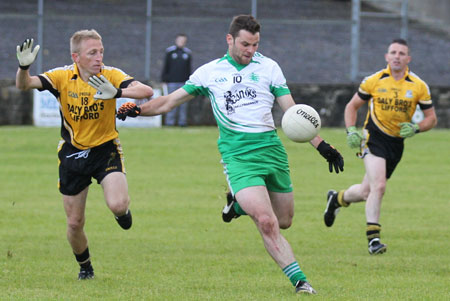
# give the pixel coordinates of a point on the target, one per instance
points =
(242, 98)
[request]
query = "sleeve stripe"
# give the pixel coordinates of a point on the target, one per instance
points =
(364, 96)
(424, 106)
(46, 85)
(125, 83)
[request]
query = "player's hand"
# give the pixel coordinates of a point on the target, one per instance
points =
(26, 55)
(128, 109)
(105, 90)
(333, 157)
(354, 137)
(408, 129)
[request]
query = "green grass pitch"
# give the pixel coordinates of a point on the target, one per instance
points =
(179, 248)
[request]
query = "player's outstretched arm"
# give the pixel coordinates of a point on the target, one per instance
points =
(26, 55)
(156, 106)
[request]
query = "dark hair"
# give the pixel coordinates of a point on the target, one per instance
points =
(246, 22)
(181, 35)
(400, 41)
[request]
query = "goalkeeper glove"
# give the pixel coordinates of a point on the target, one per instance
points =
(128, 109)
(408, 129)
(354, 137)
(333, 157)
(105, 90)
(25, 56)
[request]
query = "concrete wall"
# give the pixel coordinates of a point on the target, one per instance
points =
(16, 107)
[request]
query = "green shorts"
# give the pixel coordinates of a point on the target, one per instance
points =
(266, 166)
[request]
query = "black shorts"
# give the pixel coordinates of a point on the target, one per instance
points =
(77, 167)
(387, 147)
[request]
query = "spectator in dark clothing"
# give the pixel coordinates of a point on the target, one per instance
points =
(176, 71)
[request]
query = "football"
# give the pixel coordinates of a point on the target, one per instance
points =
(301, 123)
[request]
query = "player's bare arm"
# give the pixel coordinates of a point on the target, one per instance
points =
(354, 137)
(26, 82)
(164, 104)
(137, 90)
(351, 110)
(429, 121)
(285, 101)
(157, 106)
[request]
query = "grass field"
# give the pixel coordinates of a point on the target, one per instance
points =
(179, 248)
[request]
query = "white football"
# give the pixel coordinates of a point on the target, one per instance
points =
(301, 123)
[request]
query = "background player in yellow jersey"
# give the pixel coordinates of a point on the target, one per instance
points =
(90, 148)
(392, 95)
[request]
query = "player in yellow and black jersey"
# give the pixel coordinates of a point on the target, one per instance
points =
(90, 148)
(392, 95)
(86, 121)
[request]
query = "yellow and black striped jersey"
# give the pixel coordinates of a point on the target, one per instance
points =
(85, 122)
(392, 102)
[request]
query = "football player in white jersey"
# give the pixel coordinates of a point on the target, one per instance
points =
(242, 87)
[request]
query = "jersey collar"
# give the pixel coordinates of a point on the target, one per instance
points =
(389, 72)
(238, 66)
(76, 70)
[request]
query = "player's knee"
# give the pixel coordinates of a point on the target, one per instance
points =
(119, 207)
(75, 224)
(267, 224)
(380, 188)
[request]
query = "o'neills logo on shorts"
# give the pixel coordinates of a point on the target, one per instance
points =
(309, 117)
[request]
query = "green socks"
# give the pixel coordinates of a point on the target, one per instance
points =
(294, 273)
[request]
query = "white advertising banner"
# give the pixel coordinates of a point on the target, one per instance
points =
(46, 111)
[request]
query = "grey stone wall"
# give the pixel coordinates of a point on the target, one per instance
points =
(330, 101)
(434, 13)
(16, 107)
(310, 39)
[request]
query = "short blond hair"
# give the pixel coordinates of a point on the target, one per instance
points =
(82, 35)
